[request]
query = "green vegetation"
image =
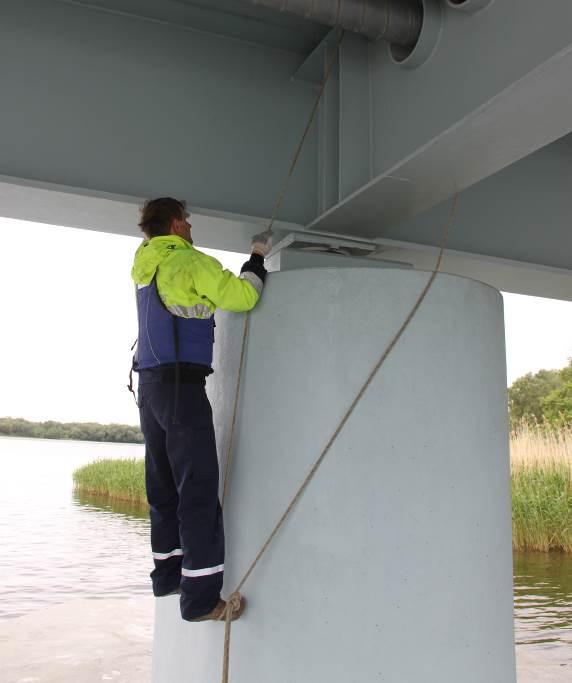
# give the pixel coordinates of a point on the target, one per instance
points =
(541, 474)
(557, 405)
(542, 508)
(543, 397)
(80, 431)
(526, 395)
(541, 460)
(113, 479)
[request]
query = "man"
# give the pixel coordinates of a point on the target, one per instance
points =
(178, 291)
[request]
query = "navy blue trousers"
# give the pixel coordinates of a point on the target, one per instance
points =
(182, 478)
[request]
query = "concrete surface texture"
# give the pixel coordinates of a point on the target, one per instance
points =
(396, 564)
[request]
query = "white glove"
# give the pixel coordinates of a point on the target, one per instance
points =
(262, 243)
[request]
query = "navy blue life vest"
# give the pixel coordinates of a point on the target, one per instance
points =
(165, 338)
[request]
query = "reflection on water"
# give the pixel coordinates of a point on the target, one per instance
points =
(543, 605)
(99, 504)
(58, 546)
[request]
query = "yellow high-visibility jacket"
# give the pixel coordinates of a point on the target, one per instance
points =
(190, 283)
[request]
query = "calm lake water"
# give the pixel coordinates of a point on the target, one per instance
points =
(58, 545)
(543, 607)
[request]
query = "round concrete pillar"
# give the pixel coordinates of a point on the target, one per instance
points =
(396, 564)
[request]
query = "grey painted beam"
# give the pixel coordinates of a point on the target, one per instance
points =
(494, 90)
(529, 114)
(512, 229)
(116, 214)
(355, 115)
(505, 275)
(114, 104)
(329, 131)
(100, 111)
(523, 213)
(229, 18)
(106, 212)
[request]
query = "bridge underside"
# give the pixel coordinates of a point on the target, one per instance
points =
(106, 103)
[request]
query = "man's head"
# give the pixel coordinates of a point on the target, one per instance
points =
(165, 216)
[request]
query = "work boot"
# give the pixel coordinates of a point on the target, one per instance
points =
(218, 613)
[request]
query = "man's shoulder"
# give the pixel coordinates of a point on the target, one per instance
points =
(190, 260)
(203, 259)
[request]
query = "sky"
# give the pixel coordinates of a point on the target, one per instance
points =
(69, 321)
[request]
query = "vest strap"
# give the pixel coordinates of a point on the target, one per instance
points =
(177, 369)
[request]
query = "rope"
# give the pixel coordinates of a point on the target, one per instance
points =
(234, 599)
(233, 602)
(235, 410)
(277, 204)
(329, 66)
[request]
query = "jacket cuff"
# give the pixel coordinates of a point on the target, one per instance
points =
(255, 264)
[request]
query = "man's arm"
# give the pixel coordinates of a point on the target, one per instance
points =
(227, 291)
(253, 271)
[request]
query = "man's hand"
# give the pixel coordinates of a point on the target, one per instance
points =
(262, 243)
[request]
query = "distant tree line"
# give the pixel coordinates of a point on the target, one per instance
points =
(80, 431)
(543, 397)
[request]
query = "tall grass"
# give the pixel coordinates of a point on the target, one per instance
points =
(114, 479)
(541, 475)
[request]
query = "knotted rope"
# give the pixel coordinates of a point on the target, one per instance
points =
(232, 604)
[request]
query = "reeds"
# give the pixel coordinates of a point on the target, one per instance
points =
(541, 474)
(120, 479)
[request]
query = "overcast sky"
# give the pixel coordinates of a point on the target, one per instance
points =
(69, 319)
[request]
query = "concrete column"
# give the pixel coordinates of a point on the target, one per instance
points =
(396, 564)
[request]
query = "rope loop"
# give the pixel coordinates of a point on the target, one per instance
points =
(233, 604)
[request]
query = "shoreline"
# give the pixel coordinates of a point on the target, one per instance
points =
(45, 438)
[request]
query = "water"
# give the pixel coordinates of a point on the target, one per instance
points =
(57, 545)
(543, 607)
